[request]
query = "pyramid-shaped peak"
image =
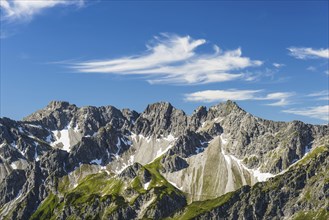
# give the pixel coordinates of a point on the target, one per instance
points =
(59, 105)
(228, 107)
(158, 107)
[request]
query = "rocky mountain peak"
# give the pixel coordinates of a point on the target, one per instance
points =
(224, 109)
(55, 115)
(54, 105)
(163, 107)
(161, 118)
(201, 111)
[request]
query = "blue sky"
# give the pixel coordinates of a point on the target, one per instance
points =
(271, 57)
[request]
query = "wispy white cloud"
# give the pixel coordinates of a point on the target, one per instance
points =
(308, 53)
(278, 65)
(25, 10)
(174, 59)
(318, 112)
(221, 95)
(311, 68)
(321, 95)
(281, 98)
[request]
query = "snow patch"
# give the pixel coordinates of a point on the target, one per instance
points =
(170, 138)
(174, 184)
(119, 148)
(13, 165)
(199, 150)
(147, 139)
(15, 146)
(34, 126)
(261, 177)
(36, 153)
(48, 138)
(140, 136)
(63, 138)
(76, 128)
(308, 148)
(126, 142)
(96, 161)
(146, 185)
(19, 194)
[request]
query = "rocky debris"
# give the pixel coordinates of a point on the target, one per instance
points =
(165, 206)
(107, 144)
(10, 153)
(303, 190)
(33, 192)
(136, 170)
(55, 162)
(130, 115)
(188, 144)
(7, 127)
(161, 119)
(198, 117)
(173, 163)
(10, 187)
(22, 140)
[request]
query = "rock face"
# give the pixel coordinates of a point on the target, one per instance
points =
(101, 162)
(300, 193)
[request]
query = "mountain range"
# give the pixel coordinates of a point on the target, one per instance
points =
(69, 162)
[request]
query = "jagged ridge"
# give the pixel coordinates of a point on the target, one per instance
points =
(64, 144)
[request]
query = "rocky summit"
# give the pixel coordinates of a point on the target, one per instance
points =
(69, 162)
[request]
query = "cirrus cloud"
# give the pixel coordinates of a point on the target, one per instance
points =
(174, 59)
(321, 95)
(318, 112)
(25, 10)
(280, 98)
(221, 95)
(308, 53)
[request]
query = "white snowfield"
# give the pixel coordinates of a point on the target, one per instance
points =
(67, 137)
(63, 137)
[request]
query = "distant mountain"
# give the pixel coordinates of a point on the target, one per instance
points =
(66, 162)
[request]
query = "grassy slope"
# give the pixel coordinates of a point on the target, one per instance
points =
(101, 186)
